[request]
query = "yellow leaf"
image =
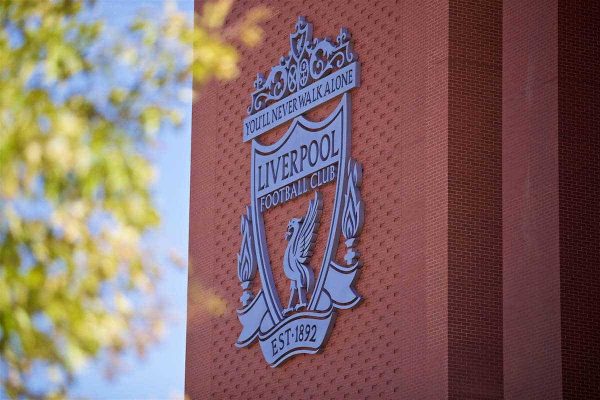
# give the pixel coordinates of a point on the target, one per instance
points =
(215, 305)
(33, 154)
(251, 35)
(214, 13)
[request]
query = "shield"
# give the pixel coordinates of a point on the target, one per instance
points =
(308, 156)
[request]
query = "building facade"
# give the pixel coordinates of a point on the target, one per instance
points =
(477, 128)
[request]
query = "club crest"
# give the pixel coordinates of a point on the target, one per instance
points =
(308, 157)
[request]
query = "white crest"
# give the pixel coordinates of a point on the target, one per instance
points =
(308, 156)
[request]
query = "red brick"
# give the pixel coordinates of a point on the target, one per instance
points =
(532, 362)
(394, 344)
(477, 127)
(579, 196)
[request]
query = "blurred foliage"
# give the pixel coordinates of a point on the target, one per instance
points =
(81, 106)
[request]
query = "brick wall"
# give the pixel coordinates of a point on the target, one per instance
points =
(532, 362)
(477, 127)
(475, 200)
(394, 345)
(579, 161)
(436, 200)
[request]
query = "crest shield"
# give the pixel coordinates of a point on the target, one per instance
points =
(308, 156)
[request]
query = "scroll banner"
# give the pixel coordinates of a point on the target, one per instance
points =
(303, 332)
(298, 103)
(251, 317)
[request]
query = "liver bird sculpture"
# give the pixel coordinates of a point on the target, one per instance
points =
(301, 234)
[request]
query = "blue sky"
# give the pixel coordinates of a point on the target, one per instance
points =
(160, 375)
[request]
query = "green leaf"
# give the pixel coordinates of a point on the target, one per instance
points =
(81, 107)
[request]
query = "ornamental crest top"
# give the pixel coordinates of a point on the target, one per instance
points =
(308, 61)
